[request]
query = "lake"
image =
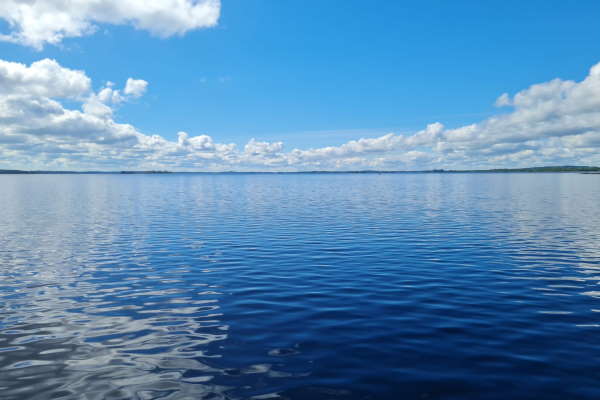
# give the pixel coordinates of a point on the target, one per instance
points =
(300, 286)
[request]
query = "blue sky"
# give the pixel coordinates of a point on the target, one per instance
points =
(312, 75)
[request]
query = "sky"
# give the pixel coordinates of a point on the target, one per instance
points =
(292, 85)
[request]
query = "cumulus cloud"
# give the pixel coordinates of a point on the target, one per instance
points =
(256, 148)
(135, 87)
(555, 122)
(45, 78)
(101, 104)
(503, 100)
(37, 22)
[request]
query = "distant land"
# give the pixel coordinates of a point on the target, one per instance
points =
(561, 168)
(18, 171)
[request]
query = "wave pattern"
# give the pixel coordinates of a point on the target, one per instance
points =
(304, 286)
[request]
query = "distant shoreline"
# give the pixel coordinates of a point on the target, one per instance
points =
(548, 169)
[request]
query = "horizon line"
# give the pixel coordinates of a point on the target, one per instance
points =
(556, 168)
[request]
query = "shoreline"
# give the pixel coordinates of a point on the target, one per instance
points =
(551, 169)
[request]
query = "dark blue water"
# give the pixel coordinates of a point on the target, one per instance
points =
(345, 286)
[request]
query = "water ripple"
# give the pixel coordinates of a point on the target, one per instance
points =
(300, 286)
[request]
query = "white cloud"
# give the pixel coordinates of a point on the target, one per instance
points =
(44, 78)
(503, 100)
(556, 122)
(256, 148)
(99, 104)
(37, 22)
(135, 87)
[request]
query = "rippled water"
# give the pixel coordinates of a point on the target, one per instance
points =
(342, 286)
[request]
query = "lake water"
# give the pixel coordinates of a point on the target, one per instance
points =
(337, 286)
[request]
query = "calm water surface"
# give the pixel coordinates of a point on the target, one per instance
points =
(345, 286)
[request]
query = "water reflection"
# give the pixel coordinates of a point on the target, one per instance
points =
(134, 337)
(299, 286)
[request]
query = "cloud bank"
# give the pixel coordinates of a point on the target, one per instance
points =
(38, 22)
(555, 122)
